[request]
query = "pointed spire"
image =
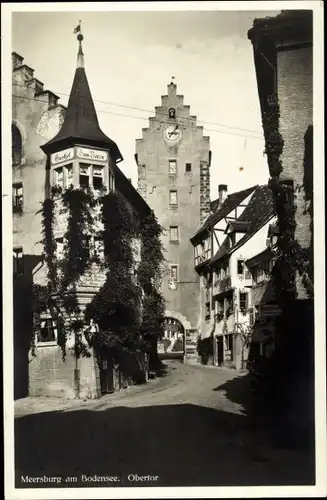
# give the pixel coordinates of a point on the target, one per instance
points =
(81, 122)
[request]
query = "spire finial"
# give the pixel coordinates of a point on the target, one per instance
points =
(80, 38)
(172, 80)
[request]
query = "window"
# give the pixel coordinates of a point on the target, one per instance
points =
(229, 342)
(18, 261)
(86, 246)
(172, 197)
(243, 302)
(173, 233)
(84, 175)
(172, 167)
(188, 168)
(253, 316)
(69, 174)
(16, 146)
(207, 248)
(173, 272)
(207, 310)
(229, 306)
(111, 181)
(60, 248)
(17, 197)
(240, 267)
(59, 176)
(98, 247)
(48, 331)
(97, 178)
(172, 113)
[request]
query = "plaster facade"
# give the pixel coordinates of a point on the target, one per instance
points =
(174, 178)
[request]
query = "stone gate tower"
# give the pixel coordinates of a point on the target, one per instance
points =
(173, 159)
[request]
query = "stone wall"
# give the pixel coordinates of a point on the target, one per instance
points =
(296, 115)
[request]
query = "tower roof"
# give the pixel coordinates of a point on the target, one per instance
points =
(81, 122)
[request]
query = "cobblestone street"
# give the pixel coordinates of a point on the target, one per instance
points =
(189, 427)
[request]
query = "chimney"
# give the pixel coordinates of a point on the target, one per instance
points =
(17, 60)
(222, 193)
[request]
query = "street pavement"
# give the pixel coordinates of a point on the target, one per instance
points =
(191, 427)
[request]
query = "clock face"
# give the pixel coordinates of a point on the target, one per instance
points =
(172, 134)
(50, 123)
(172, 284)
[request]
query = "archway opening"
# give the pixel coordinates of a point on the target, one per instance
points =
(16, 146)
(173, 337)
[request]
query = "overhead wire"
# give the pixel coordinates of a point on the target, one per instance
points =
(157, 113)
(152, 119)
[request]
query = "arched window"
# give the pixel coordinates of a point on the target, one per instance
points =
(172, 113)
(16, 146)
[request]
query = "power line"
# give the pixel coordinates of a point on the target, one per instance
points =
(153, 120)
(157, 112)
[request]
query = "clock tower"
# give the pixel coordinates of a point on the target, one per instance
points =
(173, 159)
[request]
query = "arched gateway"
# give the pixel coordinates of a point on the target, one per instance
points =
(172, 343)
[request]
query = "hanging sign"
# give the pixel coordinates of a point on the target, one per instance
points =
(67, 154)
(92, 154)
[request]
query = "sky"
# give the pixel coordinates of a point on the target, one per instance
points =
(130, 58)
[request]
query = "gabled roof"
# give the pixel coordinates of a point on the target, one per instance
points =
(266, 254)
(231, 202)
(258, 212)
(81, 122)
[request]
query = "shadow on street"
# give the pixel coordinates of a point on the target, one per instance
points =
(185, 445)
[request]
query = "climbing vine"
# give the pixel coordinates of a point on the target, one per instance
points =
(128, 310)
(150, 274)
(116, 307)
(290, 256)
(59, 294)
(49, 242)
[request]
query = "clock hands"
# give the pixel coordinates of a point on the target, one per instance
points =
(173, 132)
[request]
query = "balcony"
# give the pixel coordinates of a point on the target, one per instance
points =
(222, 285)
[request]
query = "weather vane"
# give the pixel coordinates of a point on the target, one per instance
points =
(78, 30)
(80, 55)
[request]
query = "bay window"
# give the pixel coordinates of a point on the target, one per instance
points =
(84, 175)
(97, 177)
(59, 176)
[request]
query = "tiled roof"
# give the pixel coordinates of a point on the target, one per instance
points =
(231, 202)
(263, 256)
(81, 121)
(258, 212)
(294, 22)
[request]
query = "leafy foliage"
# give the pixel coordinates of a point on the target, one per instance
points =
(150, 276)
(116, 307)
